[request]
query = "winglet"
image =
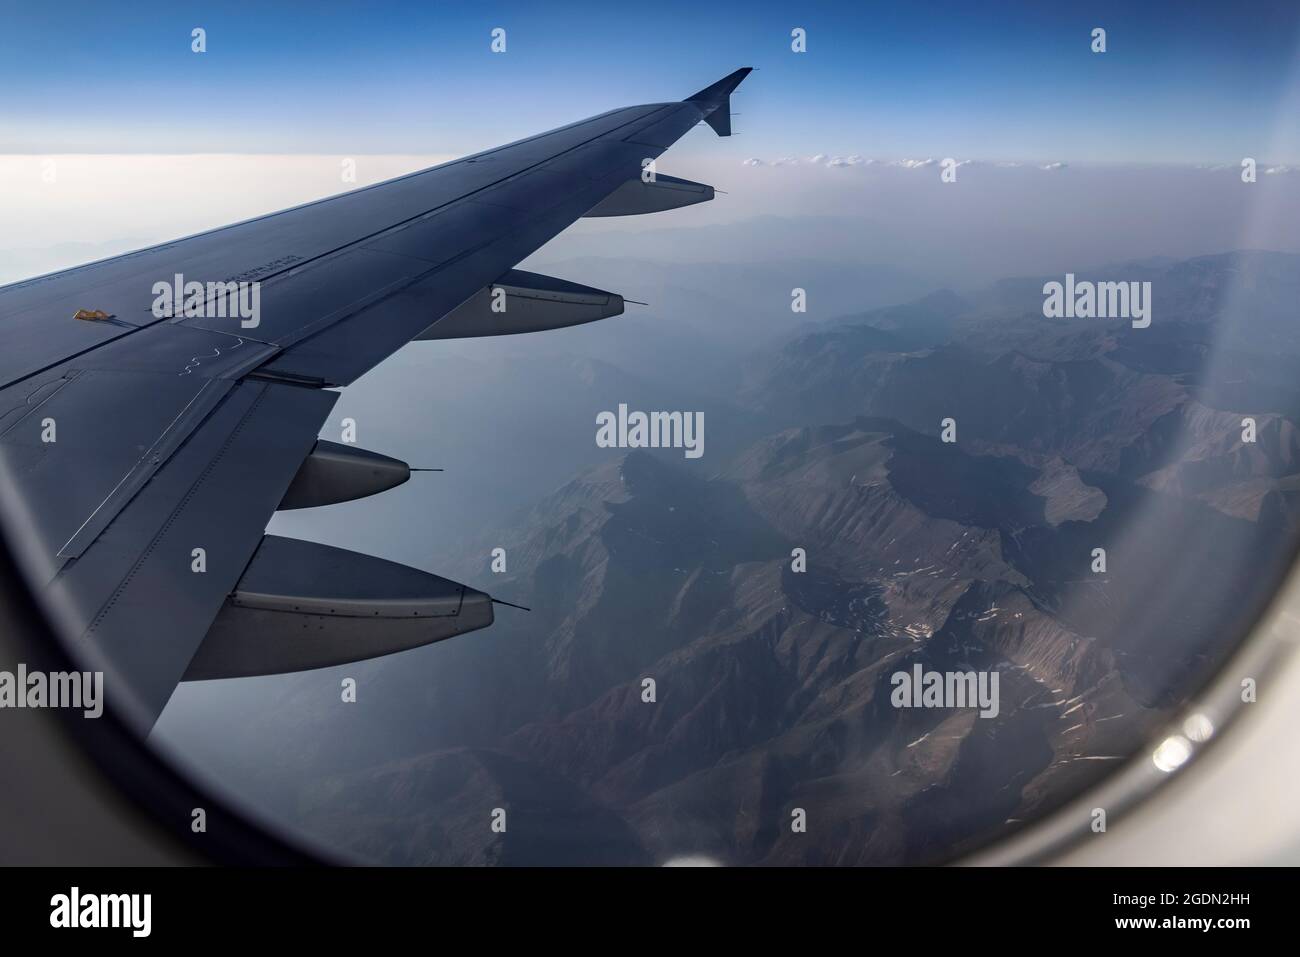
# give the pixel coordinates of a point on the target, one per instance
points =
(715, 100)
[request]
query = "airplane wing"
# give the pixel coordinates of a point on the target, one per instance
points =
(156, 408)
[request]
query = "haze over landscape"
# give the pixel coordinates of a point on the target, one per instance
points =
(822, 434)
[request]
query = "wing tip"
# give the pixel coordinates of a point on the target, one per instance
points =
(720, 91)
(714, 101)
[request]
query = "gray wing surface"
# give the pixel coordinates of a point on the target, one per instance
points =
(142, 455)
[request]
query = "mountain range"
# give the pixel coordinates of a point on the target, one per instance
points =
(771, 681)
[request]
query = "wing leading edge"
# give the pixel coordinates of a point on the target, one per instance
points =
(142, 452)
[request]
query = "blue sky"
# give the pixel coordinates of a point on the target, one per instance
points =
(1181, 82)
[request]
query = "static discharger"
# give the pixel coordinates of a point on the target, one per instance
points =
(509, 604)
